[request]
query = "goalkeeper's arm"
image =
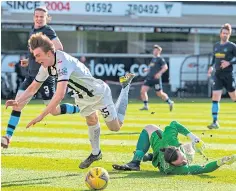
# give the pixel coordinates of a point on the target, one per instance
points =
(209, 167)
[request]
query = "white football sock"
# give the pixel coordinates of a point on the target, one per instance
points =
(94, 138)
(122, 102)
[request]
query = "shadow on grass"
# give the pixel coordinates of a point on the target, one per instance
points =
(27, 153)
(137, 174)
(122, 133)
(34, 181)
(22, 184)
(206, 176)
(150, 174)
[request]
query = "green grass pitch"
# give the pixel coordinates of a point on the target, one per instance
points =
(46, 156)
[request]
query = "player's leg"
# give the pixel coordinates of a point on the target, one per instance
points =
(47, 91)
(233, 95)
(114, 117)
(163, 95)
(216, 97)
(144, 95)
(142, 147)
(94, 138)
(231, 86)
(15, 114)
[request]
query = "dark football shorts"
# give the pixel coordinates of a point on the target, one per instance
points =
(47, 89)
(156, 83)
(225, 80)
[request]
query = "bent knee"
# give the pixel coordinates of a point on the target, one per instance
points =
(173, 123)
(92, 119)
(151, 128)
(114, 128)
(114, 125)
(53, 113)
(143, 92)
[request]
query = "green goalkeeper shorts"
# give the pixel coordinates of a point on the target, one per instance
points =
(155, 140)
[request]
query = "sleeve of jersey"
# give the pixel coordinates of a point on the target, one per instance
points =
(42, 75)
(213, 58)
(172, 132)
(195, 169)
(233, 61)
(163, 62)
(63, 72)
(50, 33)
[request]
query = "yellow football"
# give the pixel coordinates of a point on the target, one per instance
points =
(97, 178)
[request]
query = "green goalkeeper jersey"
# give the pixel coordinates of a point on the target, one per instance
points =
(170, 138)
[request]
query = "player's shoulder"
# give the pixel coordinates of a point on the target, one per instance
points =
(161, 59)
(60, 54)
(48, 27)
(63, 56)
(217, 43)
(231, 43)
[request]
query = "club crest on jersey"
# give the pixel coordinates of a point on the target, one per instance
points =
(62, 72)
(225, 49)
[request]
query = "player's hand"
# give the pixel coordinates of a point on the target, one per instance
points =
(34, 121)
(11, 102)
(224, 64)
(24, 62)
(210, 70)
(226, 160)
(158, 75)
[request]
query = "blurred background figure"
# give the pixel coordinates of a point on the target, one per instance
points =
(83, 59)
(21, 71)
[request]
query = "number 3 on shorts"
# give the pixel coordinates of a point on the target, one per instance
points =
(105, 112)
(46, 89)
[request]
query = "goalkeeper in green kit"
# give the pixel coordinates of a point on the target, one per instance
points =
(169, 155)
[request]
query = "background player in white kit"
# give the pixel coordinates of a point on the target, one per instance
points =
(90, 94)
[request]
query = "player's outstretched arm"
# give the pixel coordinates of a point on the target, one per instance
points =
(174, 129)
(56, 99)
(209, 167)
(29, 92)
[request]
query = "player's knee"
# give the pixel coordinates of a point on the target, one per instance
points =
(18, 108)
(173, 123)
(149, 127)
(92, 119)
(159, 93)
(54, 113)
(142, 92)
(114, 128)
(114, 125)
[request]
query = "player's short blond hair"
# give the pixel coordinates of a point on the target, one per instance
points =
(39, 40)
(227, 27)
(158, 47)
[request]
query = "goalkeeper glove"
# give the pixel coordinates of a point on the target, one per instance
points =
(199, 146)
(226, 160)
(193, 138)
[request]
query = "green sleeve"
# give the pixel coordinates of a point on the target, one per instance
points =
(171, 133)
(195, 169)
